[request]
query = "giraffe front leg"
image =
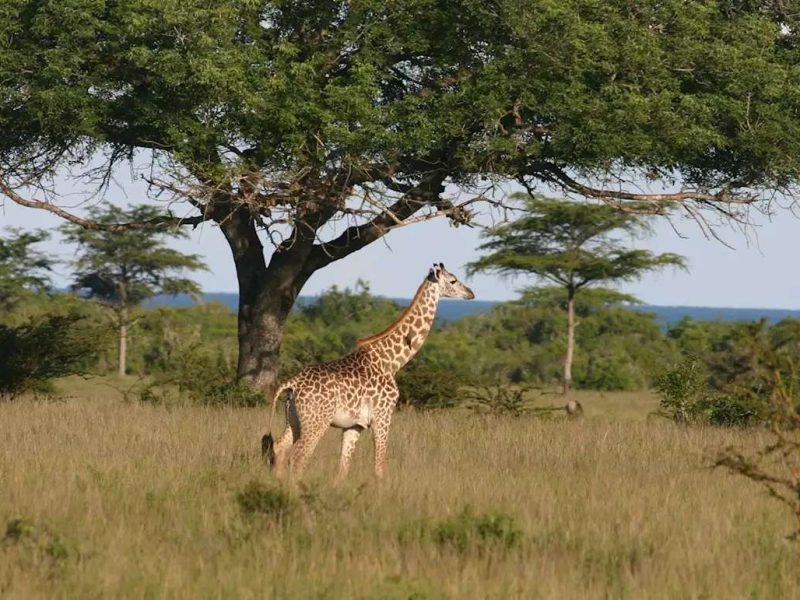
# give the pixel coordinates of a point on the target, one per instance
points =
(380, 438)
(349, 439)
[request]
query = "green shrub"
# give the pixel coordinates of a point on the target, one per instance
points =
(31, 355)
(499, 400)
(684, 391)
(201, 377)
(687, 396)
(22, 531)
(729, 410)
(423, 386)
(465, 532)
(19, 528)
(273, 502)
(470, 531)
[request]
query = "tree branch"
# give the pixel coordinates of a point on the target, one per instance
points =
(396, 215)
(166, 220)
(553, 174)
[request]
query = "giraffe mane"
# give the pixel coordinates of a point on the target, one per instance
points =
(382, 334)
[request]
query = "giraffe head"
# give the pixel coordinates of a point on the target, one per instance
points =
(449, 285)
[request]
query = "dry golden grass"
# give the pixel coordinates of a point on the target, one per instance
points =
(125, 500)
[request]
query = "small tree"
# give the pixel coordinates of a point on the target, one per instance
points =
(23, 270)
(776, 464)
(122, 269)
(571, 245)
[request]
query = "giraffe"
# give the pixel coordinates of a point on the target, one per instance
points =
(357, 391)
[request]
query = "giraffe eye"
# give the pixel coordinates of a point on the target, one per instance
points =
(452, 281)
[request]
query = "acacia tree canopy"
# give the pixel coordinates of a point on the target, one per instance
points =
(320, 126)
(572, 245)
(569, 244)
(23, 269)
(349, 93)
(123, 269)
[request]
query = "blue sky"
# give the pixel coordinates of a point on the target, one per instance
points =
(758, 272)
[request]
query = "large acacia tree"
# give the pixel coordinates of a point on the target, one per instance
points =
(307, 130)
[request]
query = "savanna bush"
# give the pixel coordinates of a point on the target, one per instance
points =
(199, 376)
(51, 346)
(273, 502)
(688, 397)
(499, 400)
(423, 386)
(22, 532)
(468, 531)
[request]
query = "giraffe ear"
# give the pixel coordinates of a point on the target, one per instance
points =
(433, 274)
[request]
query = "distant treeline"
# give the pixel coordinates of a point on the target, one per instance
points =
(521, 342)
(452, 310)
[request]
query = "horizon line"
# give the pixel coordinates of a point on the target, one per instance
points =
(725, 307)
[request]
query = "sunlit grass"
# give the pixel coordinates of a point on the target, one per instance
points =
(123, 500)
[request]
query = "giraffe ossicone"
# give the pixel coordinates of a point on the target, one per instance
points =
(357, 391)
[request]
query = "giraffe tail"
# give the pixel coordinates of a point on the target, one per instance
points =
(268, 441)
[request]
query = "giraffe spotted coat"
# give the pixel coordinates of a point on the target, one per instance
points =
(358, 391)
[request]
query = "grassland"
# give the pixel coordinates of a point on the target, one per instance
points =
(103, 498)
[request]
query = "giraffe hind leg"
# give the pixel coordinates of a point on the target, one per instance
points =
(304, 448)
(288, 437)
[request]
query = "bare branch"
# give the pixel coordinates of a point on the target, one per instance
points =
(165, 220)
(403, 212)
(357, 236)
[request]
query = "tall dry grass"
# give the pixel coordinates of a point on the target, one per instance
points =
(124, 500)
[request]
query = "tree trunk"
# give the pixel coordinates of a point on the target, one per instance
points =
(263, 309)
(266, 296)
(122, 317)
(570, 342)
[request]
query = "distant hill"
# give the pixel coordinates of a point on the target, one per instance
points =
(452, 310)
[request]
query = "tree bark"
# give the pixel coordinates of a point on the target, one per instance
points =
(567, 386)
(266, 296)
(123, 342)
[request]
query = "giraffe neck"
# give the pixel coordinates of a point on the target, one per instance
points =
(397, 344)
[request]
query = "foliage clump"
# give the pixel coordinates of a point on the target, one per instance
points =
(423, 386)
(23, 532)
(469, 531)
(688, 397)
(776, 465)
(500, 400)
(204, 377)
(730, 376)
(522, 342)
(260, 499)
(33, 354)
